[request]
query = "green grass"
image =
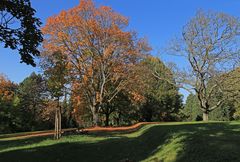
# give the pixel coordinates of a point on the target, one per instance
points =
(22, 134)
(182, 142)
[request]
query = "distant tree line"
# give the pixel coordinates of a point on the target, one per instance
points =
(31, 105)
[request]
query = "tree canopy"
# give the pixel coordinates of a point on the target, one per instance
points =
(99, 50)
(19, 29)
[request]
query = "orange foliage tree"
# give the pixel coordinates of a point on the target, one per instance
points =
(7, 89)
(100, 52)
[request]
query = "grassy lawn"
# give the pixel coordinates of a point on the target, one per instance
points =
(185, 142)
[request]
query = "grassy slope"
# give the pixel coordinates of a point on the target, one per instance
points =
(203, 142)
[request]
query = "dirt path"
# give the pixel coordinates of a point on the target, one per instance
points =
(126, 128)
(93, 129)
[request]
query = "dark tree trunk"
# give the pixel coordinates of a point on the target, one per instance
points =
(119, 119)
(107, 119)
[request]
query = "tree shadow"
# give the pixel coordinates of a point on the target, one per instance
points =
(205, 142)
(212, 142)
(6, 143)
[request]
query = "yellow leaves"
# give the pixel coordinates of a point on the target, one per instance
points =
(137, 97)
(153, 59)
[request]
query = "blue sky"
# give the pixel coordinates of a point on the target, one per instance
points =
(158, 20)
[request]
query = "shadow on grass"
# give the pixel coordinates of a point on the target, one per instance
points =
(5, 143)
(203, 143)
(219, 142)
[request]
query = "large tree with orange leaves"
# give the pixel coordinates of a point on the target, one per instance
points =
(99, 50)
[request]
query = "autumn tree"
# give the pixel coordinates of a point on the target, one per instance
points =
(19, 28)
(8, 100)
(7, 89)
(209, 44)
(55, 72)
(99, 51)
(22, 106)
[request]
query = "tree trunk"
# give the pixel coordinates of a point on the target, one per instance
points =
(95, 119)
(107, 119)
(205, 116)
(56, 124)
(118, 119)
(60, 121)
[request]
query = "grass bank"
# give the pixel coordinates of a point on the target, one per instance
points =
(183, 142)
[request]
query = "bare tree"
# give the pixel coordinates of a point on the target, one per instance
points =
(210, 45)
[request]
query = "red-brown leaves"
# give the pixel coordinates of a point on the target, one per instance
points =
(6, 89)
(100, 52)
